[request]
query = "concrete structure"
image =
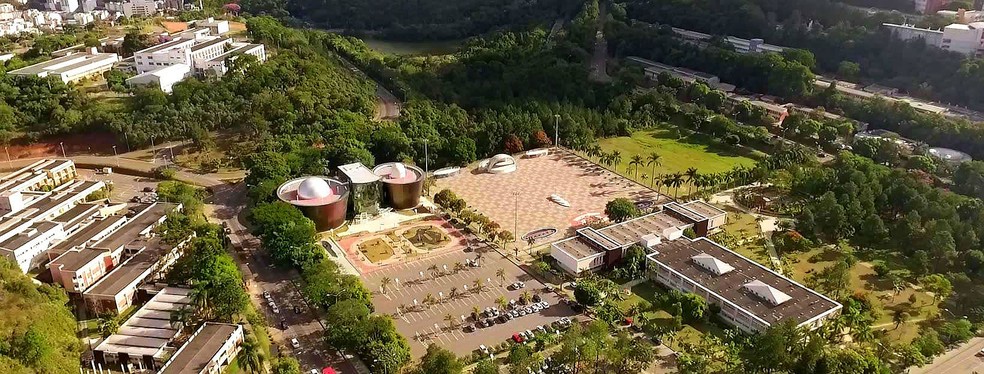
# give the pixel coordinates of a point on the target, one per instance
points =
(134, 8)
(144, 257)
(209, 351)
(652, 70)
(74, 265)
(855, 92)
(403, 184)
(740, 45)
(911, 32)
(365, 193)
(144, 340)
(216, 27)
(752, 297)
(498, 164)
(322, 199)
(220, 65)
(68, 6)
(71, 68)
(164, 78)
(962, 38)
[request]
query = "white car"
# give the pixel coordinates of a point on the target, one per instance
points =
(294, 343)
(276, 310)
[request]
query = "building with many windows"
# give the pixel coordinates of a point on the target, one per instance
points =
(72, 68)
(196, 51)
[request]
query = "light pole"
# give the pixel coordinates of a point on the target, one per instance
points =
(171, 150)
(7, 150)
(62, 145)
(117, 156)
(127, 140)
(556, 130)
(153, 150)
(426, 166)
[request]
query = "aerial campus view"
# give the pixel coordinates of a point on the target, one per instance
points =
(492, 186)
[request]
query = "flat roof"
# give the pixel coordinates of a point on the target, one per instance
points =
(132, 229)
(78, 213)
(85, 234)
(195, 355)
(32, 171)
(703, 208)
(65, 63)
(206, 44)
(18, 240)
(130, 270)
(57, 197)
(166, 45)
(358, 173)
(681, 210)
(619, 235)
(242, 48)
(76, 259)
(804, 304)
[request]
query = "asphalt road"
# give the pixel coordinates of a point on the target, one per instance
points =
(963, 360)
(303, 324)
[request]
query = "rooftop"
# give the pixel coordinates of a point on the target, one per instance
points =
(802, 303)
(590, 241)
(131, 270)
(704, 209)
(77, 214)
(64, 64)
(17, 241)
(236, 50)
(289, 192)
(210, 43)
(195, 355)
(398, 173)
(358, 173)
(86, 234)
(149, 330)
(137, 226)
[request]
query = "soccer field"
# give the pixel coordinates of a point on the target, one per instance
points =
(677, 155)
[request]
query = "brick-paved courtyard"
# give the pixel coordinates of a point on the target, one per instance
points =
(525, 193)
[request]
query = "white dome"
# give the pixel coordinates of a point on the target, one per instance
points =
(313, 188)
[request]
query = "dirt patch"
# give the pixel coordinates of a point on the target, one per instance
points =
(173, 27)
(91, 143)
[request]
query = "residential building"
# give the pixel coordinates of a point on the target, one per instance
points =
(69, 6)
(72, 68)
(209, 351)
(740, 45)
(134, 8)
(144, 341)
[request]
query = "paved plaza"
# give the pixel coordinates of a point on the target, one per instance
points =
(521, 198)
(428, 324)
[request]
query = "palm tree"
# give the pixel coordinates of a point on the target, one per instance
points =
(691, 175)
(458, 266)
(250, 357)
(525, 296)
(595, 150)
(402, 308)
(676, 181)
(200, 297)
(476, 312)
(501, 274)
(108, 325)
(478, 285)
(384, 284)
(180, 318)
(433, 270)
(450, 320)
(657, 181)
(501, 302)
(453, 293)
(429, 299)
(653, 160)
(899, 316)
(478, 257)
(636, 161)
(616, 159)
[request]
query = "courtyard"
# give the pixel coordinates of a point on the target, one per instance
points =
(432, 299)
(520, 201)
(411, 240)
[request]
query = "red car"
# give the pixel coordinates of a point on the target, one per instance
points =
(517, 338)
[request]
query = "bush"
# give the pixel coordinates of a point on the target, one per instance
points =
(165, 173)
(587, 293)
(955, 332)
(880, 268)
(621, 209)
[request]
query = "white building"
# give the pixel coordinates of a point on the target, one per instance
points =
(62, 5)
(216, 27)
(71, 68)
(967, 39)
(210, 350)
(83, 18)
(134, 8)
(196, 51)
(164, 78)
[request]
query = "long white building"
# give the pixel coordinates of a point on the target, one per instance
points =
(72, 68)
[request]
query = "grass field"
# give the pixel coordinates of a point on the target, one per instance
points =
(376, 250)
(413, 48)
(882, 295)
(687, 334)
(678, 154)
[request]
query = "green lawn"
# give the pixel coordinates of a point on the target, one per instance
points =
(698, 151)
(688, 333)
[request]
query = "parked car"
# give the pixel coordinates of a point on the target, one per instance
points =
(536, 298)
(469, 328)
(294, 343)
(518, 339)
(148, 189)
(483, 349)
(283, 324)
(276, 310)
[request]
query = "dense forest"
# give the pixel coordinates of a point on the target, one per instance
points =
(835, 34)
(37, 330)
(416, 20)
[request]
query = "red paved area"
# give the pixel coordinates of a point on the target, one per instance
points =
(525, 193)
(348, 244)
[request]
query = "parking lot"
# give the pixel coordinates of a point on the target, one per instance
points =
(423, 322)
(125, 187)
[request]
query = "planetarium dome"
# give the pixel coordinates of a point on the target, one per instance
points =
(313, 188)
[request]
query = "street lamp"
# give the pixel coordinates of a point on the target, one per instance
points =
(426, 166)
(117, 156)
(556, 130)
(62, 144)
(153, 150)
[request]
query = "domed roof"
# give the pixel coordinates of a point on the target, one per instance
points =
(313, 188)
